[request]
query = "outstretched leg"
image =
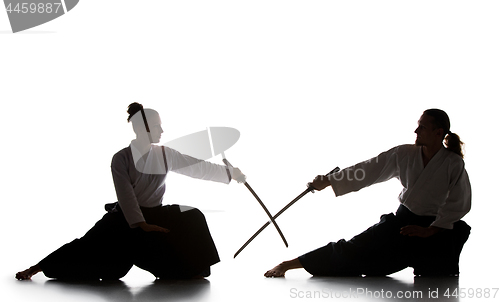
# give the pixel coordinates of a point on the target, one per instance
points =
(30, 272)
(104, 252)
(280, 269)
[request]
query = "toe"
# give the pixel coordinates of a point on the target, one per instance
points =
(269, 273)
(273, 273)
(21, 276)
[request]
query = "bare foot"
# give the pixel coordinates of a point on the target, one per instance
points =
(27, 274)
(280, 269)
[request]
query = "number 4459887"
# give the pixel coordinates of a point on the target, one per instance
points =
(34, 8)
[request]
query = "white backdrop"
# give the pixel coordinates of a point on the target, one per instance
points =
(309, 84)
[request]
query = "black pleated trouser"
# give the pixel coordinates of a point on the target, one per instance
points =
(382, 250)
(187, 250)
(104, 252)
(110, 248)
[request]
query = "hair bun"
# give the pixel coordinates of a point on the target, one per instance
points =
(133, 109)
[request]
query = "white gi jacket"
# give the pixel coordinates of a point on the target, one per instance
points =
(142, 184)
(441, 189)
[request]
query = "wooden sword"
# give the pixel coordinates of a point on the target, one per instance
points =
(261, 204)
(309, 189)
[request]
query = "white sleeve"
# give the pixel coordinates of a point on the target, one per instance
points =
(124, 190)
(364, 174)
(197, 168)
(458, 202)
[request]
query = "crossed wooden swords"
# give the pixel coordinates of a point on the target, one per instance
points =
(273, 218)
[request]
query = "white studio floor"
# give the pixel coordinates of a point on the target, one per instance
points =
(230, 286)
(241, 279)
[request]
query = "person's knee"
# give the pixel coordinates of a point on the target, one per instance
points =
(195, 213)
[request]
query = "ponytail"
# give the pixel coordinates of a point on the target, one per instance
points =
(453, 143)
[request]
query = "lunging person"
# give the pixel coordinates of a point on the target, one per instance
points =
(169, 241)
(425, 233)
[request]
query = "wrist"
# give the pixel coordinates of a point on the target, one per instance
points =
(141, 224)
(434, 229)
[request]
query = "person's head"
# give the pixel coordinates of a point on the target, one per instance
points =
(145, 122)
(433, 128)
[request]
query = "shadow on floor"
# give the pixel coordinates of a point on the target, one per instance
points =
(381, 288)
(118, 291)
(315, 288)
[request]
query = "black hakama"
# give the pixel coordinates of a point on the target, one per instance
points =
(111, 248)
(104, 252)
(382, 250)
(188, 250)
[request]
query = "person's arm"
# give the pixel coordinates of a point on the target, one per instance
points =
(200, 169)
(418, 231)
(150, 227)
(124, 191)
(375, 170)
(364, 174)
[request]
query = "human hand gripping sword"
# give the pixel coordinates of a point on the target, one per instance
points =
(260, 202)
(309, 189)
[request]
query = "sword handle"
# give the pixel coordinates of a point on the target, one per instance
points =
(333, 171)
(226, 162)
(326, 175)
(239, 179)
